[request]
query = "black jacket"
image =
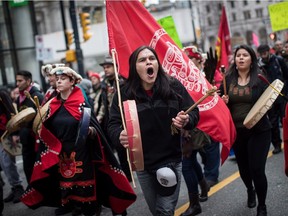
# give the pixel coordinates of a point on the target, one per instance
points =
(155, 115)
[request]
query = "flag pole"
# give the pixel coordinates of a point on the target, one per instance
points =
(113, 52)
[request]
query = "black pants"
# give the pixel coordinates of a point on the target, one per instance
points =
(28, 151)
(251, 150)
(275, 116)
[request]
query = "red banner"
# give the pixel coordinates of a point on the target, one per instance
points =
(130, 25)
(223, 43)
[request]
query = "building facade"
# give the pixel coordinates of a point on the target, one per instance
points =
(33, 33)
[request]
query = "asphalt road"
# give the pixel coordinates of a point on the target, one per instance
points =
(227, 198)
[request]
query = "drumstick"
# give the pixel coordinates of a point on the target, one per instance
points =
(263, 78)
(223, 70)
(113, 51)
(27, 94)
(208, 93)
(38, 107)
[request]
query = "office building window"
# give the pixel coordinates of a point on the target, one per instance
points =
(207, 8)
(234, 17)
(209, 21)
(247, 15)
(98, 16)
(220, 6)
(259, 13)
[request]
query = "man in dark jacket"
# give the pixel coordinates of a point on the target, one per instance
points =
(274, 67)
(26, 94)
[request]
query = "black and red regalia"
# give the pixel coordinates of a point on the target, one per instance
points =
(70, 171)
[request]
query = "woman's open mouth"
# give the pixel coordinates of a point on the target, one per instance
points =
(150, 71)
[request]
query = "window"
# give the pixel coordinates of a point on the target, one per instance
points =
(247, 15)
(232, 4)
(207, 8)
(220, 6)
(209, 21)
(258, 1)
(245, 3)
(234, 19)
(98, 16)
(259, 13)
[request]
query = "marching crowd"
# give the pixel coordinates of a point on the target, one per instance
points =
(75, 158)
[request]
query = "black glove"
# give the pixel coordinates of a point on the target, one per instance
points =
(210, 65)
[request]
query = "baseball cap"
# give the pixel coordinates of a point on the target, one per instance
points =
(107, 61)
(167, 181)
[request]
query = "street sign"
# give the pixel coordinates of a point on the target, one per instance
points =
(44, 54)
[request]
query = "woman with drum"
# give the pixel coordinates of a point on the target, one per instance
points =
(252, 145)
(75, 166)
(160, 102)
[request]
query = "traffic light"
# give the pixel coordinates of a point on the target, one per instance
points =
(70, 56)
(273, 36)
(70, 37)
(85, 23)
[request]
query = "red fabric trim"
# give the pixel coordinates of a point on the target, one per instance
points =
(31, 197)
(76, 97)
(78, 183)
(119, 179)
(119, 205)
(79, 199)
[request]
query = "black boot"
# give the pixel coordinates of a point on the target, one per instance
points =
(18, 192)
(261, 210)
(204, 190)
(251, 202)
(194, 206)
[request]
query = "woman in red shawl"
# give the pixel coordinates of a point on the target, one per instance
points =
(75, 166)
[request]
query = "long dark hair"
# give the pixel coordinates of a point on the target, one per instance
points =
(254, 69)
(134, 81)
(6, 103)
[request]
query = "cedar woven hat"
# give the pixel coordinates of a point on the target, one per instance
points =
(107, 61)
(167, 181)
(67, 71)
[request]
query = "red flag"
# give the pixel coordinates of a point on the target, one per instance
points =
(130, 25)
(223, 43)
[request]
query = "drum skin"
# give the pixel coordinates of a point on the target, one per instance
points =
(20, 120)
(134, 135)
(263, 104)
(9, 147)
(37, 123)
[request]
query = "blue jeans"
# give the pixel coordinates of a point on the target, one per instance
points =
(159, 205)
(211, 160)
(9, 167)
(192, 172)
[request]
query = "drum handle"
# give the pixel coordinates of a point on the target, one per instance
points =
(263, 78)
(223, 71)
(28, 95)
(38, 107)
(208, 93)
(113, 51)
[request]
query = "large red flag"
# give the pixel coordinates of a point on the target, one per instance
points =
(130, 25)
(223, 43)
